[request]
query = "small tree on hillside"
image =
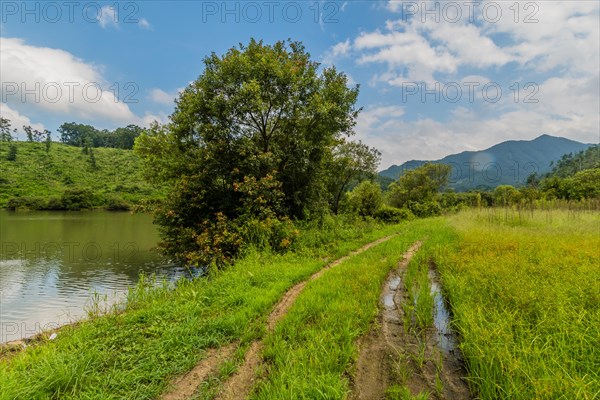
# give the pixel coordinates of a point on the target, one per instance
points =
(48, 141)
(5, 135)
(419, 185)
(12, 153)
(29, 132)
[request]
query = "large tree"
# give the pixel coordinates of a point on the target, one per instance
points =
(252, 136)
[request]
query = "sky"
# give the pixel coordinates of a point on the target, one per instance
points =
(436, 78)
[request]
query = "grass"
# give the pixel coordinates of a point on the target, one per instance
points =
(419, 310)
(313, 349)
(163, 332)
(524, 290)
(36, 173)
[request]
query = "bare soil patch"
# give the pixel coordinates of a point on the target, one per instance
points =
(185, 386)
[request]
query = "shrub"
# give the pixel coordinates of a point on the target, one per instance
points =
(393, 215)
(29, 203)
(12, 153)
(115, 203)
(425, 209)
(365, 199)
(77, 199)
(55, 204)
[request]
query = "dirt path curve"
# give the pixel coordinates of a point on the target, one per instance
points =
(240, 384)
(185, 386)
(395, 353)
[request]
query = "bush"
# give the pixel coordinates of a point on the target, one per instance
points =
(393, 215)
(115, 203)
(77, 199)
(276, 234)
(365, 199)
(425, 209)
(12, 153)
(28, 203)
(55, 204)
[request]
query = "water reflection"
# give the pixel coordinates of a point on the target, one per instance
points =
(50, 264)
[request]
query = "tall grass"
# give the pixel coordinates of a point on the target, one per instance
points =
(524, 291)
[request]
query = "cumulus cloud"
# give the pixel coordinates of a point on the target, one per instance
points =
(548, 52)
(17, 120)
(56, 82)
(401, 140)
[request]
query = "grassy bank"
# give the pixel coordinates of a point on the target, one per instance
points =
(524, 290)
(39, 174)
(164, 332)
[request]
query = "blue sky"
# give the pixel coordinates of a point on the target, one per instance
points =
(430, 72)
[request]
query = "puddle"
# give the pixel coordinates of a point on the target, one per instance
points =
(441, 317)
(388, 301)
(394, 283)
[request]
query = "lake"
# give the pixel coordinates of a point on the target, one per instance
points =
(52, 262)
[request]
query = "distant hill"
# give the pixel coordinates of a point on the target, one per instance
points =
(36, 173)
(507, 163)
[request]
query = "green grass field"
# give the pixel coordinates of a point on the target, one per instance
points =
(525, 292)
(36, 173)
(523, 289)
(312, 351)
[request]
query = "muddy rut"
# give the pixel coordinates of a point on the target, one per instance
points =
(394, 352)
(240, 384)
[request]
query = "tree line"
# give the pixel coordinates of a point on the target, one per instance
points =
(261, 142)
(75, 134)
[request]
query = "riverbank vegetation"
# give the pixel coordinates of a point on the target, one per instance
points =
(162, 332)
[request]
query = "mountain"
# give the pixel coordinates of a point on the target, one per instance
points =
(507, 163)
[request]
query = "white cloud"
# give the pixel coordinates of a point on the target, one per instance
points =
(559, 54)
(144, 24)
(60, 84)
(108, 17)
(162, 97)
(399, 140)
(17, 120)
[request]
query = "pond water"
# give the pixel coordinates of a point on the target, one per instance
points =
(52, 263)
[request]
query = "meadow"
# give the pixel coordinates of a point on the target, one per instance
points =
(524, 289)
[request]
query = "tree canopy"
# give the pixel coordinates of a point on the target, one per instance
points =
(252, 138)
(82, 135)
(419, 185)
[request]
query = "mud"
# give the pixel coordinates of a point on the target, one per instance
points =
(396, 352)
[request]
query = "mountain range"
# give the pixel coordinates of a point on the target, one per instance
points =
(507, 163)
